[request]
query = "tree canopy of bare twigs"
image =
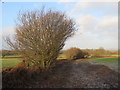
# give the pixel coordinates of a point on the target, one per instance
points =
(40, 35)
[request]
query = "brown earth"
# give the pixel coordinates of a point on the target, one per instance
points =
(70, 74)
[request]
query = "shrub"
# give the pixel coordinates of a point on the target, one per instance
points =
(40, 35)
(5, 53)
(75, 53)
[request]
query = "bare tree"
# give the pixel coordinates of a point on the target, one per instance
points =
(40, 35)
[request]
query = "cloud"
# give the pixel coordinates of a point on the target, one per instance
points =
(94, 31)
(8, 31)
(80, 6)
(109, 21)
(107, 25)
(92, 5)
(98, 21)
(100, 8)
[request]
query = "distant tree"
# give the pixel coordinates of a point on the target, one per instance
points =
(7, 52)
(40, 35)
(75, 53)
(4, 53)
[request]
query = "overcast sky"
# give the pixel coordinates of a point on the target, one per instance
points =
(97, 21)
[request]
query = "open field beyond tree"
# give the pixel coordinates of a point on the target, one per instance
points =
(111, 62)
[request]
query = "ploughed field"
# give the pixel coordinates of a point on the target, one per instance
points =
(80, 73)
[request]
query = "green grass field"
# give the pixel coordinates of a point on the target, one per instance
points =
(10, 62)
(110, 62)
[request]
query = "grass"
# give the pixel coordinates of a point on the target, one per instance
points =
(10, 62)
(110, 62)
(115, 55)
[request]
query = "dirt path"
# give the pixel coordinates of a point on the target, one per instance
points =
(75, 74)
(92, 76)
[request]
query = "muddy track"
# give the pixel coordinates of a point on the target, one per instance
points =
(74, 74)
(92, 76)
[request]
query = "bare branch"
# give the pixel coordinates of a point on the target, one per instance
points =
(41, 35)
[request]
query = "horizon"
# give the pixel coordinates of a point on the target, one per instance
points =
(76, 47)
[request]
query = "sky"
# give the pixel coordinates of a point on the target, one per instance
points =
(97, 22)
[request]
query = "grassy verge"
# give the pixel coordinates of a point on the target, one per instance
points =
(10, 62)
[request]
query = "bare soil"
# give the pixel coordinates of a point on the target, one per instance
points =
(75, 74)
